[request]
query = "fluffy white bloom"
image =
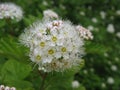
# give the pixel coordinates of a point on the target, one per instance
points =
(114, 67)
(84, 33)
(118, 12)
(110, 28)
(102, 14)
(2, 87)
(118, 34)
(110, 80)
(45, 3)
(106, 54)
(92, 69)
(55, 45)
(85, 71)
(82, 13)
(103, 85)
(62, 6)
(75, 84)
(94, 20)
(49, 14)
(7, 88)
(10, 10)
(116, 59)
(90, 27)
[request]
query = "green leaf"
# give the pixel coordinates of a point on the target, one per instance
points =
(14, 70)
(96, 48)
(60, 81)
(10, 48)
(13, 73)
(20, 84)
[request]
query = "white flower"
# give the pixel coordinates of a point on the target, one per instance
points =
(110, 28)
(106, 54)
(103, 14)
(62, 6)
(2, 87)
(114, 67)
(110, 80)
(7, 88)
(118, 12)
(94, 20)
(10, 10)
(45, 3)
(90, 27)
(55, 45)
(85, 71)
(116, 59)
(13, 88)
(103, 85)
(75, 84)
(84, 33)
(118, 34)
(49, 14)
(92, 69)
(82, 13)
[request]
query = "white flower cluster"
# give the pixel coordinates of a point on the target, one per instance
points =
(10, 10)
(84, 33)
(110, 28)
(50, 14)
(55, 45)
(110, 80)
(2, 87)
(75, 84)
(118, 34)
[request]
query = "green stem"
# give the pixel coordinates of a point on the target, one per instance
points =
(43, 75)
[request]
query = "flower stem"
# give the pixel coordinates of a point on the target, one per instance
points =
(43, 75)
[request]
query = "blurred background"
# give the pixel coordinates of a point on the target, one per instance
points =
(102, 17)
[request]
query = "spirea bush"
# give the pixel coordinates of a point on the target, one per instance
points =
(31, 59)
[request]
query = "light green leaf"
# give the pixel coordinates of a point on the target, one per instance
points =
(14, 70)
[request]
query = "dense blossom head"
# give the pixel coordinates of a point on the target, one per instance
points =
(10, 10)
(2, 87)
(50, 14)
(55, 45)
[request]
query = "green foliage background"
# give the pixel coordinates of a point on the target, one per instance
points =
(101, 53)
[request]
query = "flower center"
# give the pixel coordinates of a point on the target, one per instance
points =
(54, 39)
(38, 57)
(63, 49)
(51, 51)
(42, 44)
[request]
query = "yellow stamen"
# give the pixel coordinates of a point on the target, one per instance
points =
(38, 57)
(63, 49)
(54, 39)
(42, 44)
(51, 51)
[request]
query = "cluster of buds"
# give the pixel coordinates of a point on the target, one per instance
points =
(2, 87)
(50, 14)
(84, 33)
